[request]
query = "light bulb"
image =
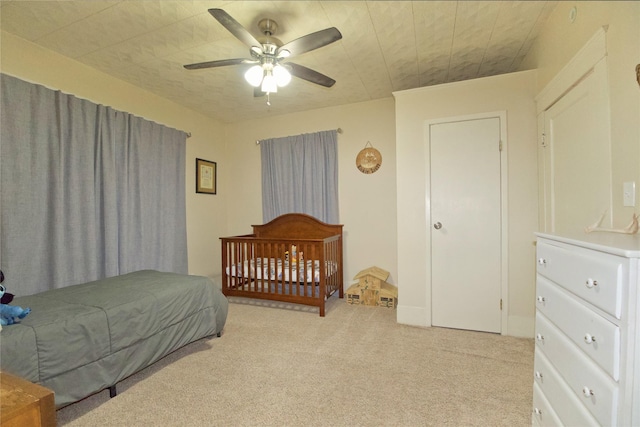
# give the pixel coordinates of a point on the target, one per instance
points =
(269, 83)
(284, 53)
(254, 75)
(282, 75)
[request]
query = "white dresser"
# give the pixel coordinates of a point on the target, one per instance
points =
(587, 367)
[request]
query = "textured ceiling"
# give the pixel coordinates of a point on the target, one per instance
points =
(386, 46)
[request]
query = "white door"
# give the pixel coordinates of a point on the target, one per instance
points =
(576, 157)
(466, 224)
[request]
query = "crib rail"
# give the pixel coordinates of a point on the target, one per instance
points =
(299, 271)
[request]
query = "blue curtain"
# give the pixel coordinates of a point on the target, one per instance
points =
(86, 192)
(300, 174)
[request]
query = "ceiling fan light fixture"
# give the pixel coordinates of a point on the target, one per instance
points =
(283, 53)
(269, 84)
(255, 51)
(282, 75)
(254, 75)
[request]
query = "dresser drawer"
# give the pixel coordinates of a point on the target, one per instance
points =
(595, 335)
(596, 277)
(543, 413)
(593, 387)
(567, 406)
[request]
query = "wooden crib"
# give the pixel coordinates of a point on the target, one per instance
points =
(294, 258)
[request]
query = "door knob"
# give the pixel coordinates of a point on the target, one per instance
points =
(437, 225)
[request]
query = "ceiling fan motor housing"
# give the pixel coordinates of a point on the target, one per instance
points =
(268, 26)
(270, 44)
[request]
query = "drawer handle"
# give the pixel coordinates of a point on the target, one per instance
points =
(540, 337)
(540, 298)
(591, 283)
(588, 338)
(538, 375)
(542, 261)
(537, 411)
(587, 391)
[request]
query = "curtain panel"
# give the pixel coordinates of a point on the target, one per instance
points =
(86, 192)
(300, 174)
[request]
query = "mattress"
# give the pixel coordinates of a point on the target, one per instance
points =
(292, 289)
(276, 269)
(81, 339)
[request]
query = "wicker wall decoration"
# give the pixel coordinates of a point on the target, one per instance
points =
(369, 159)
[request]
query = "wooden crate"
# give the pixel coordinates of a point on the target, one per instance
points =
(25, 404)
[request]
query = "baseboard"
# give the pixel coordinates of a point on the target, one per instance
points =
(519, 326)
(414, 316)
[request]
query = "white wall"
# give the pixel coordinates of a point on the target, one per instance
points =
(206, 214)
(513, 93)
(367, 202)
(560, 40)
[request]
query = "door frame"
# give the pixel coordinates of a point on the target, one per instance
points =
(504, 205)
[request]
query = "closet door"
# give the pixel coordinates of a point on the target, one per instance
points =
(576, 156)
(466, 224)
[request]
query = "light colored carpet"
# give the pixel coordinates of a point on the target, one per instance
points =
(276, 366)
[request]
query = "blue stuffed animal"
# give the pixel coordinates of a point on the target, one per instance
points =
(8, 313)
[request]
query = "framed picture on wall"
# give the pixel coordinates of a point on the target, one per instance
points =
(206, 176)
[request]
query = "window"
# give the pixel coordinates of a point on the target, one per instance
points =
(300, 174)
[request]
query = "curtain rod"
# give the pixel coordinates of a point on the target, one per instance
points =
(339, 130)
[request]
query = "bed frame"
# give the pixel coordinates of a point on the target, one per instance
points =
(316, 242)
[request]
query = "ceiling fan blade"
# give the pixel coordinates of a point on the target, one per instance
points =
(310, 75)
(220, 63)
(257, 92)
(311, 41)
(235, 28)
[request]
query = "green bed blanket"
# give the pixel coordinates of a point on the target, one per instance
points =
(81, 339)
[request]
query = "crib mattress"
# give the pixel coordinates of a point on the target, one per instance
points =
(310, 289)
(276, 269)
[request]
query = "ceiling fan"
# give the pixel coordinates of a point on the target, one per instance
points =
(268, 54)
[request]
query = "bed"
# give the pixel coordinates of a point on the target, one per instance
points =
(295, 258)
(82, 339)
